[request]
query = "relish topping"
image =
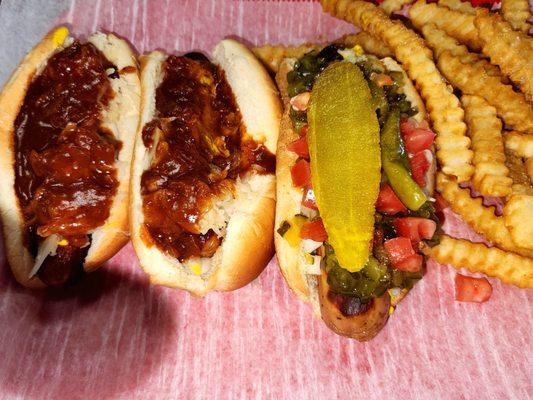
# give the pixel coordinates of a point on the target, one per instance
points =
(404, 217)
(200, 150)
(65, 177)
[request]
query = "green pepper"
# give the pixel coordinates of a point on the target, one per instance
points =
(393, 159)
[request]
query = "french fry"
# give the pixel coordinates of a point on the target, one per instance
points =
(390, 6)
(510, 49)
(529, 168)
(444, 109)
(271, 56)
(491, 176)
(476, 257)
(369, 44)
(440, 41)
(458, 5)
(455, 23)
(518, 215)
(516, 12)
(481, 219)
(471, 78)
(520, 143)
(518, 173)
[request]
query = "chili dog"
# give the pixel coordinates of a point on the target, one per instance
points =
(203, 183)
(355, 175)
(68, 117)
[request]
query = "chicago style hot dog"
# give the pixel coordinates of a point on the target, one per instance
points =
(68, 117)
(355, 174)
(203, 184)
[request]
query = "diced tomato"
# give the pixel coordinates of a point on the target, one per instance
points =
(478, 3)
(415, 228)
(467, 288)
(388, 203)
(418, 140)
(440, 203)
(407, 126)
(314, 230)
(419, 167)
(308, 199)
(399, 249)
(410, 264)
(301, 173)
(303, 130)
(300, 101)
(299, 146)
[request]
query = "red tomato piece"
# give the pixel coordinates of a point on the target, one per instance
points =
(478, 3)
(303, 130)
(419, 167)
(299, 146)
(388, 203)
(467, 288)
(399, 249)
(440, 203)
(415, 228)
(314, 230)
(410, 264)
(301, 173)
(418, 140)
(308, 199)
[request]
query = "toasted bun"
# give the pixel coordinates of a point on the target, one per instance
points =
(313, 288)
(247, 246)
(121, 118)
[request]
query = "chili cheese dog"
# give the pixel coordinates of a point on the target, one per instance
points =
(203, 184)
(353, 194)
(68, 117)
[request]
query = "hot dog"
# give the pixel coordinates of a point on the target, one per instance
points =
(355, 175)
(68, 117)
(203, 183)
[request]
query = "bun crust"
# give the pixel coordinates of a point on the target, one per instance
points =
(121, 118)
(313, 288)
(247, 246)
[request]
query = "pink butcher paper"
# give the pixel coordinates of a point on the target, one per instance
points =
(114, 336)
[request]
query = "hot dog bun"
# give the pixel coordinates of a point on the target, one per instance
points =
(314, 288)
(247, 246)
(121, 118)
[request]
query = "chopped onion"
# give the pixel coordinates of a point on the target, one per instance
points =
(314, 269)
(47, 248)
(309, 245)
(308, 212)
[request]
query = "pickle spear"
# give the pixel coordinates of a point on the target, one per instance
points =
(345, 156)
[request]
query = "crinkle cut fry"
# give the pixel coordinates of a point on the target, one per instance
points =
(444, 109)
(272, 55)
(458, 5)
(518, 173)
(471, 78)
(518, 216)
(510, 49)
(517, 13)
(491, 176)
(520, 143)
(391, 6)
(440, 41)
(508, 267)
(481, 219)
(455, 23)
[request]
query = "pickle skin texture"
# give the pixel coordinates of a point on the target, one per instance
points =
(345, 156)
